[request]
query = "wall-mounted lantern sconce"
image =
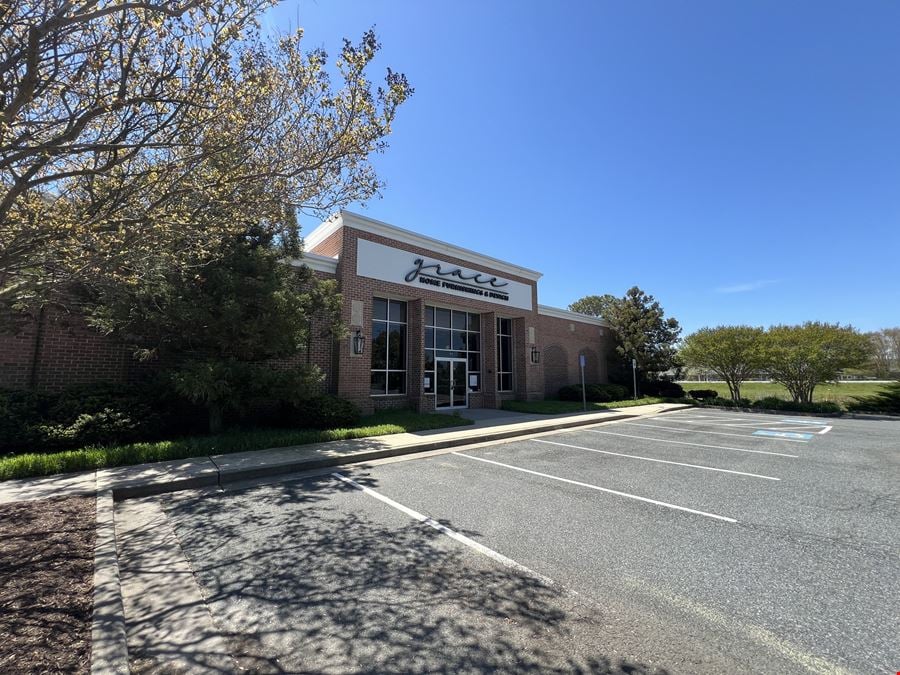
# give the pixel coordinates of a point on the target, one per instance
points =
(535, 354)
(359, 342)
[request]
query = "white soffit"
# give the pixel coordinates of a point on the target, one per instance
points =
(572, 316)
(316, 262)
(366, 224)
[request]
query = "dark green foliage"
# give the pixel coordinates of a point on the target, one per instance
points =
(702, 394)
(91, 415)
(595, 393)
(663, 388)
(775, 403)
(726, 402)
(319, 412)
(885, 401)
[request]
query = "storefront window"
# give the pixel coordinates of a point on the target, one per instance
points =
(504, 355)
(451, 334)
(388, 347)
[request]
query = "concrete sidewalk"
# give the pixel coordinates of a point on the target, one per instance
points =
(160, 477)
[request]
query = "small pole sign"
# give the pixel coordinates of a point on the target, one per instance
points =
(634, 375)
(581, 362)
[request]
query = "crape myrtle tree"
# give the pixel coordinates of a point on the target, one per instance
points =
(137, 138)
(642, 331)
(801, 357)
(734, 353)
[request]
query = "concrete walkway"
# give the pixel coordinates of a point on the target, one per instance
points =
(160, 477)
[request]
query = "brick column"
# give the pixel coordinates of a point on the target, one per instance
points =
(415, 354)
(489, 360)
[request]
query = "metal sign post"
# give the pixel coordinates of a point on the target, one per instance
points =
(581, 361)
(634, 375)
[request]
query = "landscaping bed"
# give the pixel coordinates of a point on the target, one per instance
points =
(46, 594)
(97, 457)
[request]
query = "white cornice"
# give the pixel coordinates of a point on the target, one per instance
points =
(572, 316)
(366, 224)
(316, 262)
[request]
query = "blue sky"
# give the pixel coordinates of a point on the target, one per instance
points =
(739, 161)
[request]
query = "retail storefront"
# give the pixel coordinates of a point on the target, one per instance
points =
(437, 326)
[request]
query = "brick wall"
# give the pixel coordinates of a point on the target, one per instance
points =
(565, 343)
(56, 350)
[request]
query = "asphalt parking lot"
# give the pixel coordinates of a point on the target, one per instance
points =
(697, 541)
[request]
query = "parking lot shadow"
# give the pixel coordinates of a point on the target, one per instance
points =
(316, 577)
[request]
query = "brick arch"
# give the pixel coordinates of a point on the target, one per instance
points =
(591, 366)
(556, 370)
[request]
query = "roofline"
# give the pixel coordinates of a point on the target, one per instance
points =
(316, 262)
(366, 224)
(546, 310)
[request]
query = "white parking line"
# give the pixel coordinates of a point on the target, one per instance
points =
(453, 534)
(653, 459)
(601, 489)
(697, 445)
(701, 431)
(742, 423)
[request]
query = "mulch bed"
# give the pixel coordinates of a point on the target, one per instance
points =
(47, 585)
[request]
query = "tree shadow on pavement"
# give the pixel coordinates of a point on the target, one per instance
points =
(316, 577)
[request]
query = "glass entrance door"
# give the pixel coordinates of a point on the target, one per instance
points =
(451, 389)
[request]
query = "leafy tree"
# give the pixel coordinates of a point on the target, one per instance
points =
(882, 353)
(734, 353)
(801, 357)
(134, 135)
(220, 327)
(641, 330)
(594, 305)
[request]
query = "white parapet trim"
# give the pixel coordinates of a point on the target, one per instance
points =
(366, 224)
(572, 316)
(315, 262)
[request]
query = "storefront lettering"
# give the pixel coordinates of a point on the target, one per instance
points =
(420, 268)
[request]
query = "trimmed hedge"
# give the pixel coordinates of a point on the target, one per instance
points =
(319, 412)
(90, 415)
(775, 403)
(702, 394)
(663, 388)
(595, 393)
(885, 401)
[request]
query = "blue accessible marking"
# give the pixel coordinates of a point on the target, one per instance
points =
(797, 436)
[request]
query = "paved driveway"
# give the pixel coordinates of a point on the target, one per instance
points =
(696, 541)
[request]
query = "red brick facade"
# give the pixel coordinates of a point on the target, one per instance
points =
(60, 350)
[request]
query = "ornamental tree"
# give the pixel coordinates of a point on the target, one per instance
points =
(217, 328)
(734, 353)
(801, 357)
(641, 330)
(134, 135)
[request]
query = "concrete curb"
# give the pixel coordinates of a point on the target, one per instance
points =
(109, 650)
(794, 413)
(227, 475)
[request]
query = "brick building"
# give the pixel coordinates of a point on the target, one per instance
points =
(432, 325)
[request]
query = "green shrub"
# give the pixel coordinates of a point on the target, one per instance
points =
(885, 401)
(775, 403)
(702, 394)
(726, 402)
(319, 412)
(663, 388)
(90, 414)
(595, 393)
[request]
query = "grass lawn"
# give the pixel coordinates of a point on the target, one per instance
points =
(386, 422)
(559, 407)
(839, 393)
